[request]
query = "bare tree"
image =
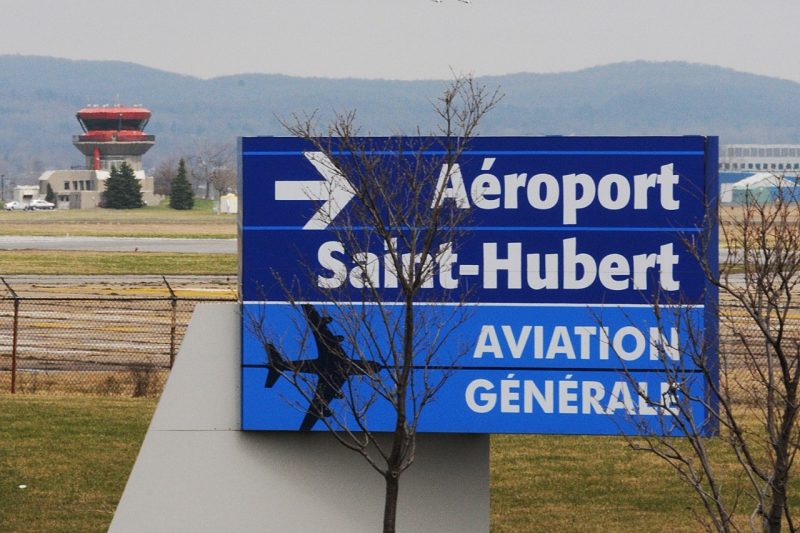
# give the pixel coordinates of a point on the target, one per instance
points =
(223, 178)
(388, 347)
(750, 392)
(165, 171)
(212, 166)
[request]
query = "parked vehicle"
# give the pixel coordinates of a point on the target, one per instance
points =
(37, 205)
(13, 205)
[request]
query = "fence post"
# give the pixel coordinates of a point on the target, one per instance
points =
(14, 330)
(173, 325)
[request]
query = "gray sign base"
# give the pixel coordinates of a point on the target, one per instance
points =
(198, 472)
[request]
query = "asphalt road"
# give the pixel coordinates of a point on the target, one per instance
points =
(120, 244)
(135, 244)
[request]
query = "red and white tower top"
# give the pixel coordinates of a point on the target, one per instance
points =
(113, 134)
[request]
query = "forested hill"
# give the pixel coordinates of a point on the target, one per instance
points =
(40, 95)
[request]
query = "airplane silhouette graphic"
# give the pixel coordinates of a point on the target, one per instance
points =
(332, 367)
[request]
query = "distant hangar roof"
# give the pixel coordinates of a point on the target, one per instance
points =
(764, 179)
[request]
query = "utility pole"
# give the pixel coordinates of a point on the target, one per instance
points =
(2, 187)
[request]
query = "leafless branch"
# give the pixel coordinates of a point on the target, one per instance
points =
(755, 398)
(396, 208)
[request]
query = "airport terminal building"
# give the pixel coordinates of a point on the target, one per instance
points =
(756, 167)
(751, 158)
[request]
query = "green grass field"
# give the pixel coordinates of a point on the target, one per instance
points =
(73, 454)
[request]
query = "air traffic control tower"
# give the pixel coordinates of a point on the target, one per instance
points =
(113, 134)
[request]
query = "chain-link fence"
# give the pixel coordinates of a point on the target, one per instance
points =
(116, 344)
(121, 338)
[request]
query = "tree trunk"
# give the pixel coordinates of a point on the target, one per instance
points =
(780, 476)
(400, 438)
(778, 500)
(390, 505)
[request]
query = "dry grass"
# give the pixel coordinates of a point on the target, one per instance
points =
(133, 381)
(146, 222)
(731, 217)
(89, 263)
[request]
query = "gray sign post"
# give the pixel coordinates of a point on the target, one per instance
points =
(198, 472)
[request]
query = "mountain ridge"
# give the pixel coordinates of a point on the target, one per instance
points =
(39, 97)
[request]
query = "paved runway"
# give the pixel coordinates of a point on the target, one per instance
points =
(120, 244)
(135, 244)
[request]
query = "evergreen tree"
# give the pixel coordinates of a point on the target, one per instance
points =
(123, 190)
(51, 195)
(181, 196)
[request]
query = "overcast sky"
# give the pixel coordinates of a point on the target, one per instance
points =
(406, 39)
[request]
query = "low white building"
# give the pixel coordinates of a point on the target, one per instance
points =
(83, 189)
(25, 193)
(229, 204)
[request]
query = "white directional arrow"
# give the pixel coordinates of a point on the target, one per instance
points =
(335, 191)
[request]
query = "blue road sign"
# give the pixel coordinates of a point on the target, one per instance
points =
(570, 242)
